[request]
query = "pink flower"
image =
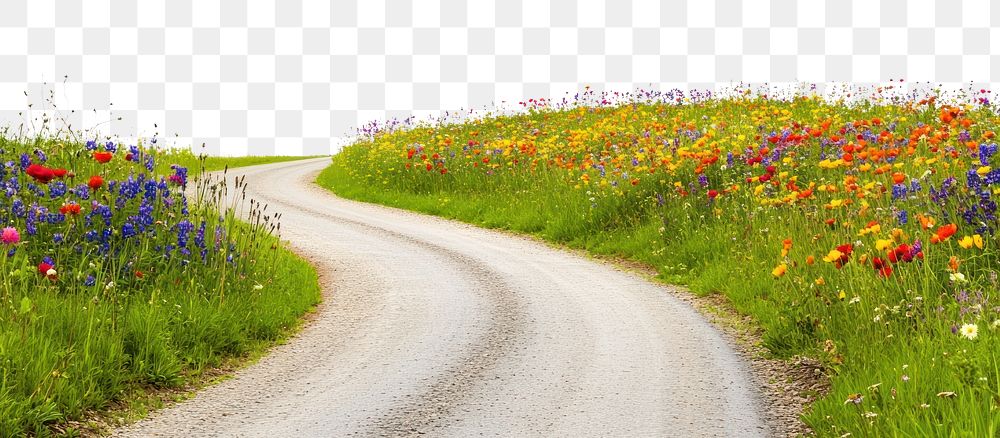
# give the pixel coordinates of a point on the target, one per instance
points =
(9, 236)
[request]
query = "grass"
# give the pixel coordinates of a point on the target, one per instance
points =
(186, 158)
(829, 224)
(140, 291)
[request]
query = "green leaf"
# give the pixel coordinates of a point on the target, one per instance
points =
(25, 306)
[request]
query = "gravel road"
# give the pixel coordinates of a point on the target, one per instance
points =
(434, 327)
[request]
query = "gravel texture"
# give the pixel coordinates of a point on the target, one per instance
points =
(434, 327)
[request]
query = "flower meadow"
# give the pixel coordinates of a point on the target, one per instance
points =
(861, 234)
(123, 270)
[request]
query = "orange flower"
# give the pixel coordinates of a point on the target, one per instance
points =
(943, 233)
(786, 245)
(925, 222)
(810, 260)
(953, 264)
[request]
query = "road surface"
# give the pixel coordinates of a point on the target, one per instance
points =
(434, 327)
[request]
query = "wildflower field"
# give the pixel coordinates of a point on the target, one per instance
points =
(123, 271)
(862, 235)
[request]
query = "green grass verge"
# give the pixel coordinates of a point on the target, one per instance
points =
(136, 293)
(195, 162)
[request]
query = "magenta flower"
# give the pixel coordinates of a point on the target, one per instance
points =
(9, 236)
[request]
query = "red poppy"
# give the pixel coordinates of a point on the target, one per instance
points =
(129, 156)
(102, 157)
(878, 263)
(139, 274)
(712, 194)
(40, 173)
(59, 173)
(95, 182)
(70, 209)
(943, 233)
(43, 268)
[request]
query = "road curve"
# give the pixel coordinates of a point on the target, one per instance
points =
(434, 327)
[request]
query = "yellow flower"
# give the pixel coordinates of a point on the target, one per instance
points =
(779, 270)
(883, 244)
(977, 240)
(965, 242)
(982, 171)
(833, 256)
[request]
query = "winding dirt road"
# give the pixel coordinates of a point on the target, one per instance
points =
(434, 327)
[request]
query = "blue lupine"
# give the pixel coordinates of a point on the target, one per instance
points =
(29, 222)
(145, 217)
(898, 191)
(150, 189)
(98, 209)
(972, 179)
(81, 191)
(35, 190)
(985, 152)
(57, 190)
(128, 230)
(199, 237)
(992, 177)
(184, 228)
